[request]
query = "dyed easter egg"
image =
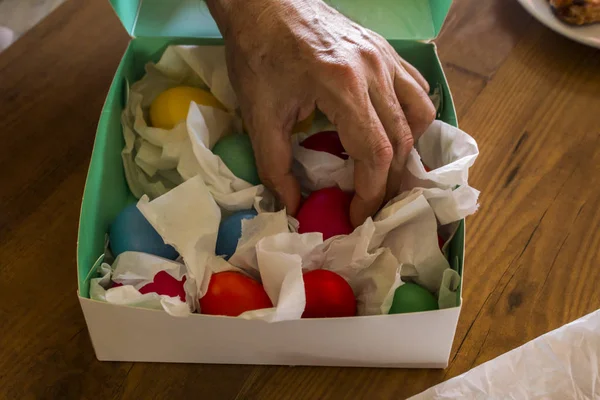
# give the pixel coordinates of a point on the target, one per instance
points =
(230, 232)
(327, 141)
(440, 242)
(411, 297)
(232, 293)
(130, 231)
(328, 295)
(172, 106)
(236, 152)
(305, 124)
(301, 126)
(326, 211)
(164, 284)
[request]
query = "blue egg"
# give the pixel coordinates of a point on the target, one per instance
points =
(131, 231)
(230, 232)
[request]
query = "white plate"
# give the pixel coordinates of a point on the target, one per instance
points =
(541, 10)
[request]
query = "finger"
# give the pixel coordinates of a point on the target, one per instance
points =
(396, 127)
(416, 104)
(273, 149)
(415, 74)
(410, 69)
(364, 139)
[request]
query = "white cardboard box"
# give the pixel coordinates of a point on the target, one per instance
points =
(122, 333)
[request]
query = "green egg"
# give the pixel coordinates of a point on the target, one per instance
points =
(411, 297)
(236, 152)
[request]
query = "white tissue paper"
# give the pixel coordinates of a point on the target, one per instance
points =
(562, 364)
(135, 270)
(188, 218)
(318, 169)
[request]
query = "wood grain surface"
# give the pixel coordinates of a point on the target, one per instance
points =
(529, 97)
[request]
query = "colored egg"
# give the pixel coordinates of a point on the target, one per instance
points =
(328, 295)
(427, 169)
(411, 297)
(326, 141)
(172, 106)
(440, 242)
(130, 231)
(232, 293)
(305, 124)
(230, 232)
(301, 126)
(236, 152)
(326, 211)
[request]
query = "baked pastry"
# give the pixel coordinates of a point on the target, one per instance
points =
(577, 12)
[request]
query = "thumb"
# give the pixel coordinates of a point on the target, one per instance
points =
(273, 152)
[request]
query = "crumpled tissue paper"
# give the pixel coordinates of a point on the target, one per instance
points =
(135, 270)
(562, 364)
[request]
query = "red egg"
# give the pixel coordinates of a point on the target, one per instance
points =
(326, 211)
(440, 242)
(427, 169)
(327, 141)
(232, 293)
(328, 295)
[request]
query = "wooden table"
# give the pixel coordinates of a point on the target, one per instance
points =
(530, 98)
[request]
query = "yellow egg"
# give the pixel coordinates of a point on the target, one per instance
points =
(171, 106)
(301, 126)
(305, 124)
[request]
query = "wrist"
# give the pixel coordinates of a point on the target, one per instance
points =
(231, 14)
(221, 13)
(234, 16)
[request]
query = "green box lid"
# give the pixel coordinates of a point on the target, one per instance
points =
(393, 19)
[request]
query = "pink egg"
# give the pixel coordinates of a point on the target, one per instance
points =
(326, 211)
(327, 141)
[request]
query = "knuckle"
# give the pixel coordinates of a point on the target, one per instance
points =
(405, 143)
(398, 120)
(370, 54)
(423, 118)
(338, 66)
(426, 86)
(375, 59)
(429, 114)
(396, 113)
(382, 153)
(342, 70)
(270, 179)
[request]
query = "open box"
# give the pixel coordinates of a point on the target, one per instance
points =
(123, 333)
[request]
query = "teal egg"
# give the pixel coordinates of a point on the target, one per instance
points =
(411, 297)
(236, 152)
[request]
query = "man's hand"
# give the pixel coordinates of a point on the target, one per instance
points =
(286, 57)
